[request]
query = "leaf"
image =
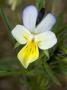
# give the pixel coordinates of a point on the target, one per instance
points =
(17, 45)
(50, 73)
(65, 59)
(63, 68)
(11, 67)
(59, 65)
(46, 53)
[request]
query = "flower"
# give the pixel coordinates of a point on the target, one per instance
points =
(34, 37)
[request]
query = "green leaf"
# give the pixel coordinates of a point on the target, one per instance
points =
(62, 65)
(50, 73)
(46, 53)
(17, 45)
(64, 59)
(63, 68)
(12, 66)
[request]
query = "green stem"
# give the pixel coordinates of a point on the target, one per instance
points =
(7, 24)
(5, 19)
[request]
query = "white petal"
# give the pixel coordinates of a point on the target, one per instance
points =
(21, 34)
(46, 40)
(46, 24)
(29, 17)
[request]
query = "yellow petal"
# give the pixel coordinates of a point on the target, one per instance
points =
(28, 53)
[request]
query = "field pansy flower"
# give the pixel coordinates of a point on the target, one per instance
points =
(34, 38)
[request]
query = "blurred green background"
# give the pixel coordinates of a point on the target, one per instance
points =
(12, 81)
